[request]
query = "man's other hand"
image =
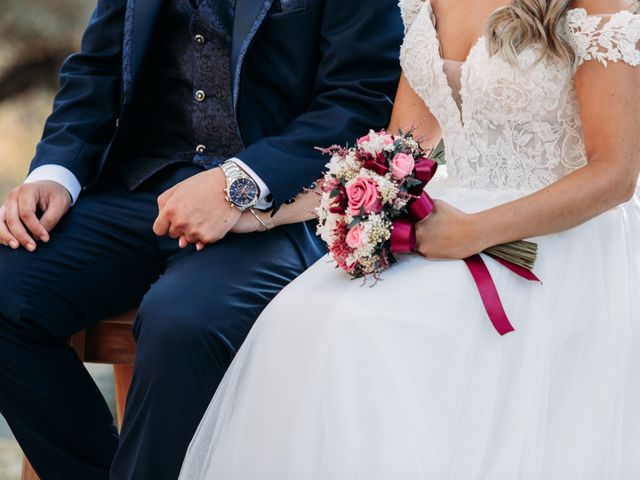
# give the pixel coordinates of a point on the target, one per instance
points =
(196, 210)
(19, 222)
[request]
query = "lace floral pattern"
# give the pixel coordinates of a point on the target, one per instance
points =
(409, 9)
(518, 127)
(605, 38)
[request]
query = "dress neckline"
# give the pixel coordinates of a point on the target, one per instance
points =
(456, 107)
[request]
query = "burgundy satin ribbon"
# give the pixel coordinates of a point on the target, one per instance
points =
(403, 234)
(403, 240)
(488, 291)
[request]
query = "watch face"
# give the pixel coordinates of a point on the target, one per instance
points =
(243, 192)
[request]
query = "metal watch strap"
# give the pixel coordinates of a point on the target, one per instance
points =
(232, 171)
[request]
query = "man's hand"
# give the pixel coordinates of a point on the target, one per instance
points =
(19, 223)
(196, 210)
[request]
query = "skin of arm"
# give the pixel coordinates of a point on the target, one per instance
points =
(301, 210)
(608, 100)
(409, 112)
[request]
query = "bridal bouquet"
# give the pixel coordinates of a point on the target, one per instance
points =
(368, 192)
(372, 196)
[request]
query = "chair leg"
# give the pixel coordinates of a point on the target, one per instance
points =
(122, 375)
(28, 473)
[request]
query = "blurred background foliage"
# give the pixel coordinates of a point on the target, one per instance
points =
(35, 38)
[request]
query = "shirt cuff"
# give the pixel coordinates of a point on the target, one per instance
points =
(58, 174)
(263, 203)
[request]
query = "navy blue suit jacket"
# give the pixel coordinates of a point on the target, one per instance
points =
(321, 73)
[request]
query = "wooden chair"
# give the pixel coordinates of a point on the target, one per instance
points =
(108, 342)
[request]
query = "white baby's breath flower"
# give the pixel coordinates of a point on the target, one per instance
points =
(400, 202)
(326, 229)
(327, 221)
(378, 142)
(352, 161)
(369, 265)
(410, 143)
(377, 229)
(345, 167)
(387, 188)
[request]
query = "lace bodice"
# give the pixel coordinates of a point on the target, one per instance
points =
(518, 127)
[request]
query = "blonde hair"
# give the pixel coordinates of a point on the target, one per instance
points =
(526, 22)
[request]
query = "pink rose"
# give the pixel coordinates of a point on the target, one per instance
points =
(402, 165)
(364, 139)
(363, 194)
(387, 141)
(355, 237)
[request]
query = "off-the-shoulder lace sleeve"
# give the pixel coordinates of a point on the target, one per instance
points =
(604, 38)
(410, 10)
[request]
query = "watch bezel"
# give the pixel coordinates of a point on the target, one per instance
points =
(250, 204)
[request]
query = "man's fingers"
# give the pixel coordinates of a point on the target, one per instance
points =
(176, 230)
(16, 227)
(52, 215)
(164, 198)
(5, 235)
(27, 211)
(161, 225)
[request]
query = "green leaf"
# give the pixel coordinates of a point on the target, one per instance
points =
(412, 182)
(354, 222)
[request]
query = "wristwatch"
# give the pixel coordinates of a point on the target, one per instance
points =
(242, 191)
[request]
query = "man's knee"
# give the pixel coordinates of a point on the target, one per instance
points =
(170, 326)
(29, 302)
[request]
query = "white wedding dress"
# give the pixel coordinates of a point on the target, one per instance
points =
(408, 380)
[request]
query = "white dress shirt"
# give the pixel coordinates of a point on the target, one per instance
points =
(64, 176)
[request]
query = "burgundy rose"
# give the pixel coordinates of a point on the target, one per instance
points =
(340, 201)
(375, 166)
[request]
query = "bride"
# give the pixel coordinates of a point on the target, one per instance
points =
(538, 103)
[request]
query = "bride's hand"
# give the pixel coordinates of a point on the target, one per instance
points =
(447, 233)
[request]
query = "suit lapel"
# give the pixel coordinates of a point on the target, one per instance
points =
(248, 17)
(140, 20)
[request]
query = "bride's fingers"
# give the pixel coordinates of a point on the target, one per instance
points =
(183, 242)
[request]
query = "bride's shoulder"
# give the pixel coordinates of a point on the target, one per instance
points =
(605, 30)
(605, 7)
(410, 9)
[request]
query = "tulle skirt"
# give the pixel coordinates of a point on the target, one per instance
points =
(408, 379)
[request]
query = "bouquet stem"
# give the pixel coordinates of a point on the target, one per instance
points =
(522, 253)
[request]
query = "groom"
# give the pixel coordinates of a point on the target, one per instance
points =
(169, 103)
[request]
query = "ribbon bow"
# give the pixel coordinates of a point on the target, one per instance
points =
(403, 240)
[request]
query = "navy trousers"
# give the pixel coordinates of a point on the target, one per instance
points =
(196, 309)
